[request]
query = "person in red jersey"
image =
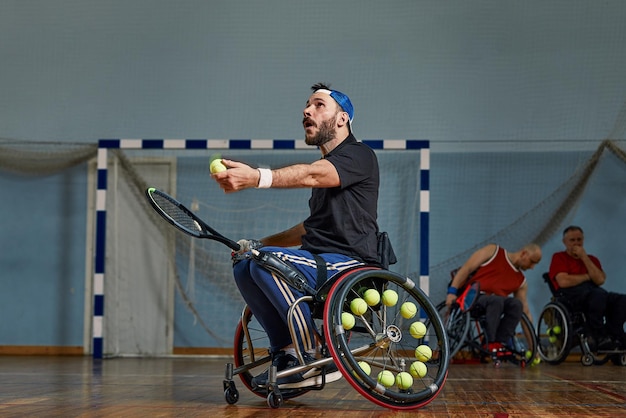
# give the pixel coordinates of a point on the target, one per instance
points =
(578, 277)
(499, 274)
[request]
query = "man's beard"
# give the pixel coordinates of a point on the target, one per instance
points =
(325, 133)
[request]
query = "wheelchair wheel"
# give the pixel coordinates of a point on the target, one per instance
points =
(252, 357)
(524, 342)
(553, 333)
(394, 356)
(456, 324)
(522, 348)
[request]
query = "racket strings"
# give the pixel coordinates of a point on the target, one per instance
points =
(176, 213)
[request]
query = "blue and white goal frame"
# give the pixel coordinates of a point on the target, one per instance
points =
(104, 145)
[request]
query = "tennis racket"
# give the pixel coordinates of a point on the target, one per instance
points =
(185, 220)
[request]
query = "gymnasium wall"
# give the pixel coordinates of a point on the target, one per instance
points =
(504, 90)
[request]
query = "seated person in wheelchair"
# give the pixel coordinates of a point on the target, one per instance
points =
(578, 277)
(340, 231)
(499, 273)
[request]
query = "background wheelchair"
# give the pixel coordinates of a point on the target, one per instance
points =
(465, 326)
(380, 343)
(560, 328)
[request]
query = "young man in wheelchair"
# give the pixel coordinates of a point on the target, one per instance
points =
(341, 231)
(578, 277)
(499, 274)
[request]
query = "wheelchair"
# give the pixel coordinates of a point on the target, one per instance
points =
(381, 342)
(464, 323)
(560, 328)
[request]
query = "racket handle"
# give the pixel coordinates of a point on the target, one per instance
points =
(292, 276)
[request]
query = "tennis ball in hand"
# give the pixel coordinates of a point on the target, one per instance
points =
(371, 297)
(358, 306)
(418, 369)
(417, 329)
(408, 310)
(347, 320)
(423, 353)
(386, 378)
(365, 367)
(217, 166)
(390, 297)
(404, 380)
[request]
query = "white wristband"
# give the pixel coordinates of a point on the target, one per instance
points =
(265, 179)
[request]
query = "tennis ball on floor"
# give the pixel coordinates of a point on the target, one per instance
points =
(556, 329)
(371, 297)
(217, 166)
(423, 353)
(404, 380)
(417, 329)
(358, 306)
(347, 320)
(390, 297)
(536, 361)
(386, 378)
(365, 367)
(408, 310)
(418, 369)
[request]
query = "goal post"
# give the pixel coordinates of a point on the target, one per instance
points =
(403, 211)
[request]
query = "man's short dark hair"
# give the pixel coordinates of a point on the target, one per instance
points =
(572, 228)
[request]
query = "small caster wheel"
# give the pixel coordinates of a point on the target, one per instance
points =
(619, 360)
(274, 400)
(231, 395)
(497, 363)
(587, 360)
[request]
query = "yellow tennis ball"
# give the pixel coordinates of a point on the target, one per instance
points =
(371, 297)
(365, 367)
(556, 329)
(390, 297)
(347, 320)
(217, 166)
(536, 361)
(418, 369)
(404, 380)
(358, 306)
(408, 310)
(528, 354)
(423, 352)
(552, 339)
(417, 329)
(386, 378)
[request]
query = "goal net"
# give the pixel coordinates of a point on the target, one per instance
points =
(140, 258)
(164, 289)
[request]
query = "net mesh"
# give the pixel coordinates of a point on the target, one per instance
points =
(206, 296)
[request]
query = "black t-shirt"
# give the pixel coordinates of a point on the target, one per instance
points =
(343, 219)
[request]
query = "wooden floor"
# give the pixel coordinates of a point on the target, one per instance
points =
(76, 386)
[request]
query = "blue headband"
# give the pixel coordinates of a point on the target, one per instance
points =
(342, 100)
